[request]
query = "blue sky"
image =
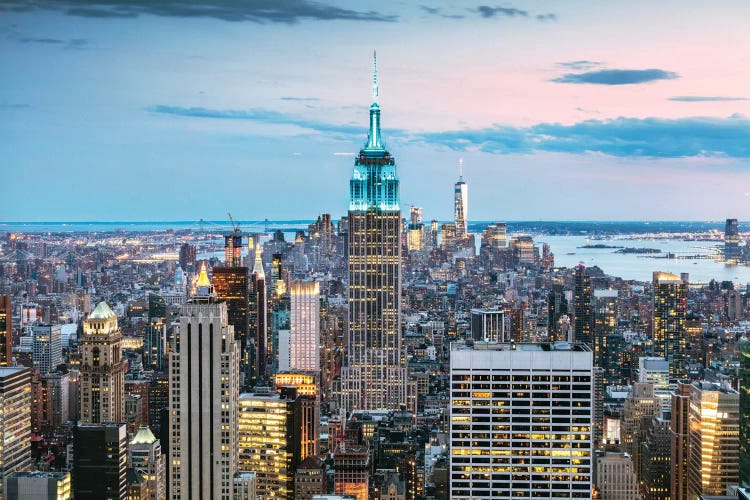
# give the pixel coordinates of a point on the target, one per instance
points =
(148, 110)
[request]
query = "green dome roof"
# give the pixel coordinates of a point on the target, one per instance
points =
(102, 311)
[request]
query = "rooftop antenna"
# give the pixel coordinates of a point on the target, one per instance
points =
(374, 76)
(460, 169)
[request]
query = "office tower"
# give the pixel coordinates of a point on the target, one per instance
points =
(306, 385)
(203, 393)
(269, 440)
(604, 318)
(100, 461)
(432, 241)
(278, 287)
(102, 368)
(154, 345)
(259, 313)
(506, 384)
(373, 375)
(233, 247)
(615, 477)
(351, 470)
(523, 250)
(55, 399)
(448, 237)
(187, 257)
(47, 347)
(415, 238)
(640, 402)
(38, 485)
(744, 411)
(15, 421)
(231, 286)
(678, 431)
(304, 337)
(461, 204)
(557, 306)
(713, 439)
(310, 479)
(6, 331)
(582, 305)
(280, 326)
(669, 306)
(656, 371)
(495, 235)
(144, 455)
(731, 241)
(656, 467)
(490, 325)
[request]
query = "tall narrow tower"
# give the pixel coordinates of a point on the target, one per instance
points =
(102, 368)
(203, 396)
(461, 206)
(374, 375)
(669, 307)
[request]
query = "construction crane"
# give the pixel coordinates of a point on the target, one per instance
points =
(233, 244)
(235, 226)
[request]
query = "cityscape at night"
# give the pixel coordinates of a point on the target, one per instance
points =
(284, 249)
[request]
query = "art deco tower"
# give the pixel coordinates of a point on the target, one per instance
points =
(102, 368)
(374, 376)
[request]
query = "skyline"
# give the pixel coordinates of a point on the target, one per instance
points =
(568, 123)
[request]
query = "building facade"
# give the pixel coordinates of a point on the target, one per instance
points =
(47, 347)
(100, 461)
(102, 377)
(669, 308)
(15, 421)
(521, 420)
(304, 335)
(203, 394)
(373, 375)
(6, 331)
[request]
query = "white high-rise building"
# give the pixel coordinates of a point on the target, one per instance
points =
(521, 420)
(461, 205)
(615, 477)
(47, 347)
(304, 337)
(203, 395)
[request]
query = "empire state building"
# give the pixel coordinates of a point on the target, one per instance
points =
(374, 374)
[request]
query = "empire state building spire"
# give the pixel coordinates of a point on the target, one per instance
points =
(374, 140)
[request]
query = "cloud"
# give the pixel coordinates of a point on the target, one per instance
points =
(546, 17)
(47, 41)
(620, 137)
(258, 11)
(617, 76)
(430, 10)
(301, 99)
(696, 98)
(261, 115)
(14, 105)
(73, 43)
(580, 65)
(487, 12)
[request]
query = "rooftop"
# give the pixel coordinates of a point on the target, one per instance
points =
(102, 311)
(510, 346)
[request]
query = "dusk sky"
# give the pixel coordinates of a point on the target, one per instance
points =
(567, 110)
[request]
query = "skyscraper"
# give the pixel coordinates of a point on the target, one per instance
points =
(102, 368)
(233, 248)
(522, 412)
(582, 303)
(304, 338)
(731, 241)
(713, 440)
(269, 440)
(259, 312)
(231, 286)
(669, 307)
(744, 411)
(461, 204)
(15, 421)
(203, 394)
(374, 375)
(6, 331)
(100, 461)
(144, 455)
(47, 347)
